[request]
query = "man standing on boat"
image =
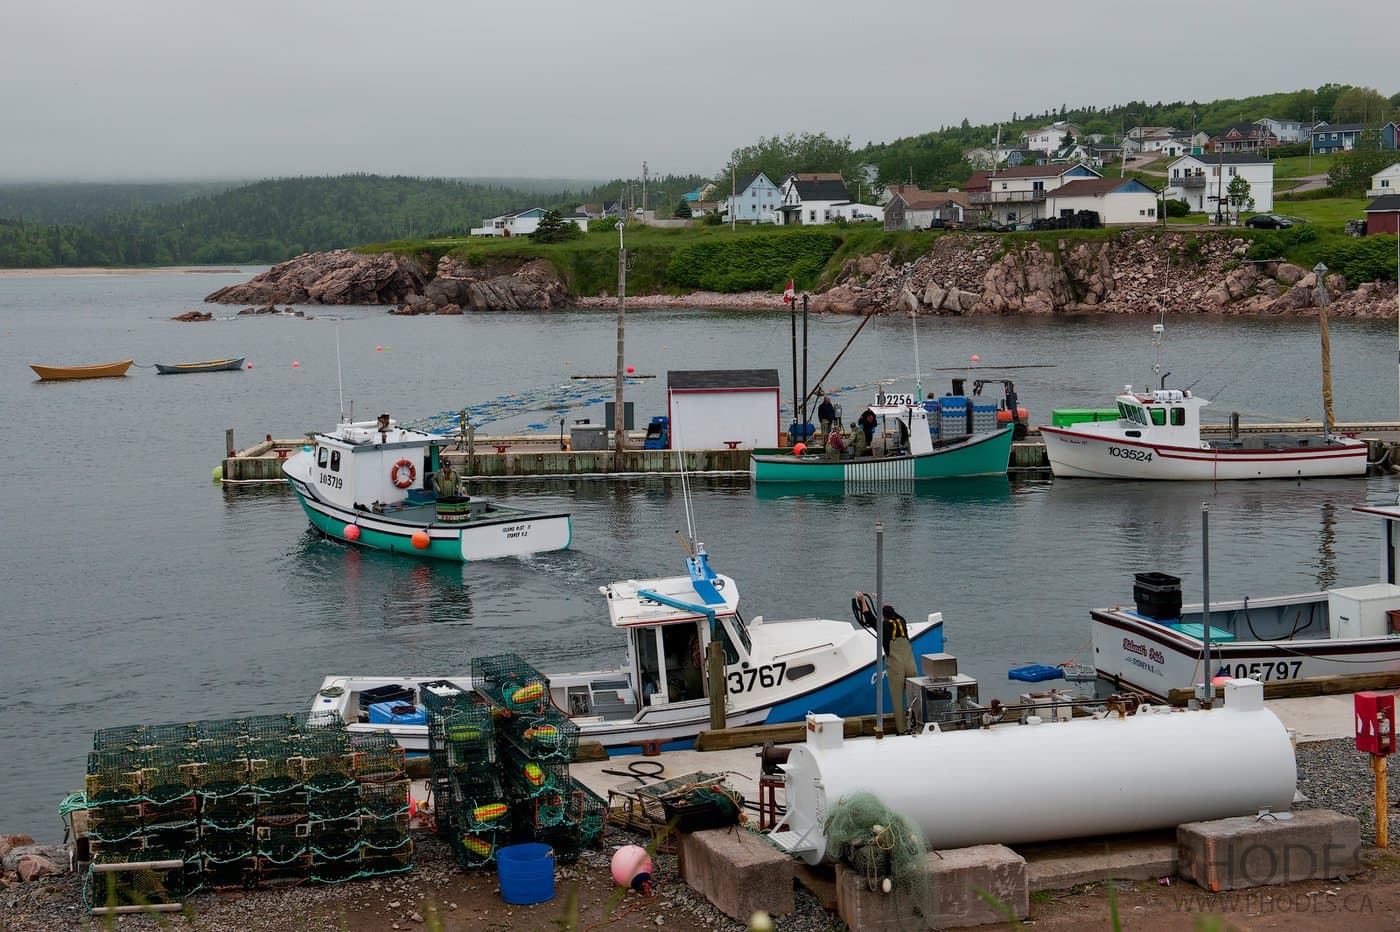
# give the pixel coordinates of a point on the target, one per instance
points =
(826, 414)
(445, 482)
(899, 653)
(868, 422)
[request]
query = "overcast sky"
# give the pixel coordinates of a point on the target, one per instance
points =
(157, 89)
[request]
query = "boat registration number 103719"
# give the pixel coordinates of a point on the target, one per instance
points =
(767, 676)
(1268, 670)
(1129, 453)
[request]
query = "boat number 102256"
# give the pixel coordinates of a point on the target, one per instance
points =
(767, 676)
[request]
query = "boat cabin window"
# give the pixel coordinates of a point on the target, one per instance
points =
(1159, 416)
(685, 676)
(335, 461)
(322, 454)
(731, 656)
(743, 629)
(1178, 417)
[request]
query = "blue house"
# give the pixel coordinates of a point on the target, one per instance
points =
(1389, 134)
(1336, 137)
(756, 200)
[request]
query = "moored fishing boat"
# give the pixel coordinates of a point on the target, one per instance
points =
(371, 483)
(775, 671)
(102, 371)
(1157, 435)
(209, 365)
(1158, 644)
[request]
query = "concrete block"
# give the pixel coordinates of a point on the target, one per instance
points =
(1239, 853)
(956, 880)
(737, 871)
(1060, 865)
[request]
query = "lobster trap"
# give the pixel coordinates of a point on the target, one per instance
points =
(511, 683)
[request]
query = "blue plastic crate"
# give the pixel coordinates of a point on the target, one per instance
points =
(397, 713)
(1036, 673)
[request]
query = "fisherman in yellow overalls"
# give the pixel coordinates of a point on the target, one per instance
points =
(899, 653)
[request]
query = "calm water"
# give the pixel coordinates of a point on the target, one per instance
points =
(136, 590)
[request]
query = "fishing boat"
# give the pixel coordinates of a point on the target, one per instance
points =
(1157, 435)
(209, 365)
(103, 371)
(371, 483)
(775, 671)
(1157, 644)
(916, 448)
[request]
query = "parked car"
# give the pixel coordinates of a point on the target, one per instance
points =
(1268, 222)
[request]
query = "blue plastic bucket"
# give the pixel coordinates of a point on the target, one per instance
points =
(526, 873)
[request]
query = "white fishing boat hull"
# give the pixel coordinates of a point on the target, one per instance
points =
(1081, 454)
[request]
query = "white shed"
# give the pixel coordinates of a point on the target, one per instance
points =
(717, 409)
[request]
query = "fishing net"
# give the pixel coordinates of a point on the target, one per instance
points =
(878, 842)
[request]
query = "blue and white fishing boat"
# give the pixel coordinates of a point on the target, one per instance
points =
(775, 671)
(371, 483)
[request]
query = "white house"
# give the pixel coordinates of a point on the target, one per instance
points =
(714, 409)
(756, 200)
(1050, 138)
(1017, 195)
(855, 212)
(1117, 201)
(1287, 131)
(1386, 181)
(1202, 180)
(524, 222)
(811, 198)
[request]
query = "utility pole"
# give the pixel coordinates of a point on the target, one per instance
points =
(1311, 126)
(644, 190)
(733, 199)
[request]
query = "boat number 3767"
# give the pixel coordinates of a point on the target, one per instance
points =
(767, 676)
(1128, 453)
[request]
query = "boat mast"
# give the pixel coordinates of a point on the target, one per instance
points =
(1207, 690)
(618, 410)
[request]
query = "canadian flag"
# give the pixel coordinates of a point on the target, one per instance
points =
(789, 295)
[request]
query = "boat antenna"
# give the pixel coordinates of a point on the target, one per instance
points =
(339, 381)
(918, 379)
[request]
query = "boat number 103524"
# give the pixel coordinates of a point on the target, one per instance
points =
(1128, 453)
(767, 676)
(1269, 670)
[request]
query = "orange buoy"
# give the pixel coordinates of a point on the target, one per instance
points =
(799, 448)
(352, 532)
(421, 540)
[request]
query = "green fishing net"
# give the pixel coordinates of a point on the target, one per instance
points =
(878, 842)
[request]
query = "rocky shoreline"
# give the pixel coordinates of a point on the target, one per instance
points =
(1133, 272)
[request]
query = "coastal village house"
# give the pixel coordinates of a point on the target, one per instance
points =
(1117, 201)
(1243, 137)
(811, 198)
(523, 223)
(1200, 180)
(910, 208)
(1390, 136)
(1017, 195)
(756, 200)
(1383, 215)
(1385, 181)
(1286, 131)
(1050, 138)
(1336, 137)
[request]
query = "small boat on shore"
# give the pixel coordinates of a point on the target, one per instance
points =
(209, 365)
(1158, 644)
(1157, 435)
(61, 373)
(371, 483)
(775, 671)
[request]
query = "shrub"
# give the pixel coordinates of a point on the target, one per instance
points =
(1176, 207)
(1367, 259)
(755, 262)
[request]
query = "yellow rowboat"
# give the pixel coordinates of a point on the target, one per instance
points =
(104, 371)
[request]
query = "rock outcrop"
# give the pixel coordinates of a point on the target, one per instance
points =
(534, 286)
(339, 277)
(193, 316)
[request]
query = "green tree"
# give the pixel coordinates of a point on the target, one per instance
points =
(1360, 105)
(682, 208)
(775, 156)
(1238, 196)
(554, 228)
(1351, 172)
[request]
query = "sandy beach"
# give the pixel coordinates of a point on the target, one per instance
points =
(175, 270)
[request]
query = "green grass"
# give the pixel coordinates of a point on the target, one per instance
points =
(1330, 211)
(1296, 166)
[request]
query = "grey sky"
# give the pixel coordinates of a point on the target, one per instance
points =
(150, 89)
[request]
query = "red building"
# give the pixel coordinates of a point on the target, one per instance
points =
(1383, 215)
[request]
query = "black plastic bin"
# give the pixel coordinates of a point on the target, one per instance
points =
(391, 693)
(1158, 595)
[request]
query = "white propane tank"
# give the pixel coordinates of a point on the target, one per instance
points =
(1154, 769)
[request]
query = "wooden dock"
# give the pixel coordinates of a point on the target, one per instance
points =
(540, 456)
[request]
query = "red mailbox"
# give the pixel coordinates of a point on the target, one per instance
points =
(1375, 722)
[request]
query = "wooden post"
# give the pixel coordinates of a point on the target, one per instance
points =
(228, 442)
(714, 661)
(1378, 767)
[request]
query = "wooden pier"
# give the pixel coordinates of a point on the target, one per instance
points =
(540, 456)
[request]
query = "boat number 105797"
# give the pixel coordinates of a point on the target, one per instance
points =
(767, 676)
(1269, 670)
(1128, 453)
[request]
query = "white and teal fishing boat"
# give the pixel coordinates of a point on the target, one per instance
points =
(775, 671)
(371, 483)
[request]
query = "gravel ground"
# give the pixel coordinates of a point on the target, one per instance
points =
(1334, 775)
(434, 895)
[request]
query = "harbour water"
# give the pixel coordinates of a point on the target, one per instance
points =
(137, 590)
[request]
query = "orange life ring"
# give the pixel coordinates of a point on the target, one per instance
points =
(397, 476)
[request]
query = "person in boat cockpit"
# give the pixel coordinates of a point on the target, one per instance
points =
(445, 482)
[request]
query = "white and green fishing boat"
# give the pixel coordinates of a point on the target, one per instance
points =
(371, 483)
(914, 453)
